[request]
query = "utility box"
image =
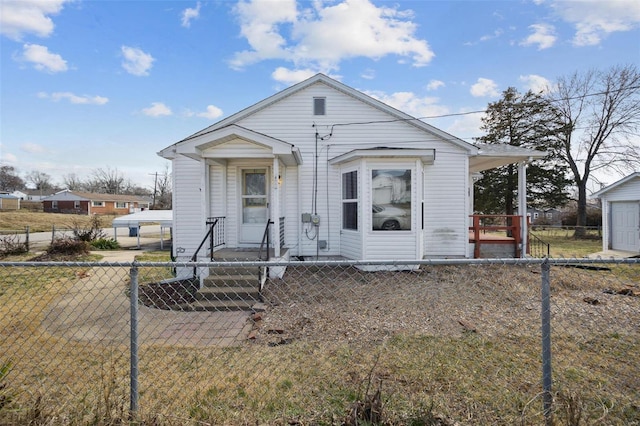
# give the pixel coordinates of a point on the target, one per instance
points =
(306, 217)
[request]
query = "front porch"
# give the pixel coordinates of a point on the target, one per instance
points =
(496, 236)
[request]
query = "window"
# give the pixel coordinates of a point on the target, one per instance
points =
(535, 215)
(391, 195)
(549, 215)
(97, 203)
(76, 205)
(319, 106)
(54, 204)
(121, 205)
(350, 200)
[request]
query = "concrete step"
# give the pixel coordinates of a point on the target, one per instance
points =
(221, 305)
(229, 293)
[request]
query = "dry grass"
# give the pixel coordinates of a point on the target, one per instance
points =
(43, 222)
(345, 336)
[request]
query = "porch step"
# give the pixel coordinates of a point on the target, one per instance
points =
(230, 288)
(222, 305)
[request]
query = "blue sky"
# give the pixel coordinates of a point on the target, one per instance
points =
(106, 84)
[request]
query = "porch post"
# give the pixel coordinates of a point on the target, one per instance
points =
(522, 206)
(275, 207)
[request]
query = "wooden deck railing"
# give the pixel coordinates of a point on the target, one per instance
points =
(496, 229)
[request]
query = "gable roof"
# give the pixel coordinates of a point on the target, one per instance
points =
(614, 185)
(90, 196)
(343, 88)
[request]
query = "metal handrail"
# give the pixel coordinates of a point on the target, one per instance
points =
(212, 222)
(266, 237)
(263, 271)
(537, 243)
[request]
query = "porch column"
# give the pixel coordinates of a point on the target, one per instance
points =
(275, 207)
(522, 206)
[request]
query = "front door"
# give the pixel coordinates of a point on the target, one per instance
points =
(254, 205)
(625, 226)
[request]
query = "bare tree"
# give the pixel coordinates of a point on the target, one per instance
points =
(9, 179)
(599, 116)
(162, 190)
(40, 180)
(108, 181)
(72, 182)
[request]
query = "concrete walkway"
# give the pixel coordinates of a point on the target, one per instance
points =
(97, 309)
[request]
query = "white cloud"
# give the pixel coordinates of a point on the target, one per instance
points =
(136, 61)
(75, 99)
(368, 74)
(290, 77)
(189, 14)
(322, 36)
(8, 158)
(484, 87)
(211, 113)
(543, 36)
(411, 104)
(33, 148)
(536, 83)
(467, 126)
(157, 109)
(21, 17)
(42, 59)
(596, 19)
(435, 85)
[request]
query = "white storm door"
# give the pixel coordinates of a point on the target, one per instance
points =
(625, 229)
(254, 205)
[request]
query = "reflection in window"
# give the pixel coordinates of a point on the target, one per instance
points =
(350, 200)
(391, 194)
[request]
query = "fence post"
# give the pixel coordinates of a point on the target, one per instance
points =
(545, 314)
(26, 238)
(53, 233)
(134, 341)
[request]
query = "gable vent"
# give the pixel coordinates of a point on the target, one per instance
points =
(319, 106)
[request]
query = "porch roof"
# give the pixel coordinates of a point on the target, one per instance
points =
(490, 156)
(426, 155)
(196, 146)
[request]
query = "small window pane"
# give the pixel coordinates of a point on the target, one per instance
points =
(350, 216)
(319, 106)
(350, 185)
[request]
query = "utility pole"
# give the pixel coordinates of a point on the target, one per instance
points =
(155, 186)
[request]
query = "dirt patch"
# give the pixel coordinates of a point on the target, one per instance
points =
(168, 295)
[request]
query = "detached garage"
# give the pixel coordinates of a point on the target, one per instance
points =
(621, 214)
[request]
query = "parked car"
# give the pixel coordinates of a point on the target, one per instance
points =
(390, 218)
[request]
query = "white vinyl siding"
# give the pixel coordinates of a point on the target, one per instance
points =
(189, 221)
(627, 192)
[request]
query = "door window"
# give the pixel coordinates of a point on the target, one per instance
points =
(254, 196)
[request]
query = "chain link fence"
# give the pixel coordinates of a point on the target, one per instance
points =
(442, 342)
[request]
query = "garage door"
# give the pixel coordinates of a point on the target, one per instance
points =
(625, 226)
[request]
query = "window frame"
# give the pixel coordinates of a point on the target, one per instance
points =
(353, 204)
(121, 204)
(97, 204)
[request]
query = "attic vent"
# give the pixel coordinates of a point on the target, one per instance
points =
(319, 106)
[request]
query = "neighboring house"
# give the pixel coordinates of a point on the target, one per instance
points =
(621, 214)
(552, 217)
(90, 203)
(9, 202)
(337, 172)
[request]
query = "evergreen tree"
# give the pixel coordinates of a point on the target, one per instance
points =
(521, 120)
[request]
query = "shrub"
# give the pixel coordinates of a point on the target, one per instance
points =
(68, 246)
(91, 232)
(11, 245)
(105, 244)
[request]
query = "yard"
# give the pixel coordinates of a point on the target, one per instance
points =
(443, 345)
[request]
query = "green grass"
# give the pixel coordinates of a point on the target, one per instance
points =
(563, 244)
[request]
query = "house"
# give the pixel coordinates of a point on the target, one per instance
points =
(74, 202)
(9, 202)
(335, 173)
(621, 214)
(548, 217)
